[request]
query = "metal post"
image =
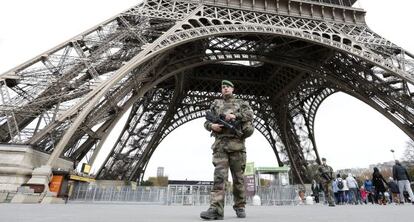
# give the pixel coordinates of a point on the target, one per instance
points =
(168, 195)
(158, 195)
(86, 194)
(112, 192)
(182, 195)
(136, 194)
(94, 193)
(77, 194)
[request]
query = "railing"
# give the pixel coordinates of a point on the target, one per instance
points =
(176, 195)
(91, 193)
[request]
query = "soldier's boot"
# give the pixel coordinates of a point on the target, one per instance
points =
(331, 204)
(211, 214)
(240, 212)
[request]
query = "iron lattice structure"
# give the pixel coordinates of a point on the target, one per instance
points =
(163, 59)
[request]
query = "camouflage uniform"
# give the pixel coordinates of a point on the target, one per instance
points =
(229, 152)
(325, 171)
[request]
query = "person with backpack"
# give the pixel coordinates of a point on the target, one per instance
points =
(339, 182)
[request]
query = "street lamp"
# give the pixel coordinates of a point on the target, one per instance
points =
(392, 151)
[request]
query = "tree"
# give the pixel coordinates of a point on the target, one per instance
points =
(409, 151)
(147, 183)
(411, 172)
(159, 181)
(362, 175)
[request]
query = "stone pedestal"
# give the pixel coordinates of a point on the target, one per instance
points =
(20, 164)
(52, 200)
(41, 176)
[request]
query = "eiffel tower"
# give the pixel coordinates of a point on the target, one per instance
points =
(161, 61)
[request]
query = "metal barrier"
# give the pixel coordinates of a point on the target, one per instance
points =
(193, 195)
(279, 195)
(188, 195)
(176, 195)
(92, 193)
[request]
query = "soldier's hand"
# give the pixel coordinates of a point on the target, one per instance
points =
(230, 116)
(216, 127)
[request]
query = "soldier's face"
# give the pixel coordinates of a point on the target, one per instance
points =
(226, 90)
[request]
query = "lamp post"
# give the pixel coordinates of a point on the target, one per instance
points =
(393, 155)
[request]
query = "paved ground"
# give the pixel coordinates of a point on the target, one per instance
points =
(149, 213)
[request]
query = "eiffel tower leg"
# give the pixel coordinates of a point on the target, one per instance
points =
(94, 97)
(141, 132)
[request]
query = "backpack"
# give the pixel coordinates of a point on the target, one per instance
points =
(340, 184)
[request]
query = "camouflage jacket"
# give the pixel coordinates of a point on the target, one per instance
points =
(240, 109)
(325, 173)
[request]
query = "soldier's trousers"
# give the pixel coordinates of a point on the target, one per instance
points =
(222, 161)
(327, 189)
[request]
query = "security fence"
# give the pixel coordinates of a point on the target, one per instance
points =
(175, 194)
(279, 195)
(93, 193)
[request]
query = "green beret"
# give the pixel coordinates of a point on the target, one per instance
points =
(227, 83)
(323, 159)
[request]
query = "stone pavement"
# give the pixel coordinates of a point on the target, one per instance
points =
(156, 213)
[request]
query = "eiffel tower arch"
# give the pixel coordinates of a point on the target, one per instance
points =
(161, 62)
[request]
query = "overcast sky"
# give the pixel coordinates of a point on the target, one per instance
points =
(348, 132)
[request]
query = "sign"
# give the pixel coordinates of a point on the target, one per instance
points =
(86, 168)
(56, 183)
(249, 185)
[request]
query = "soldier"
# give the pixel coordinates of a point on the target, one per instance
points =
(229, 151)
(325, 177)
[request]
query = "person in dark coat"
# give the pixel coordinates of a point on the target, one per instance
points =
(379, 184)
(395, 192)
(316, 189)
(400, 174)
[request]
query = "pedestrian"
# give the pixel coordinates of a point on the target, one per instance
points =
(325, 177)
(346, 191)
(340, 186)
(316, 189)
(379, 183)
(395, 192)
(229, 150)
(400, 174)
(353, 189)
(335, 192)
(369, 188)
(363, 194)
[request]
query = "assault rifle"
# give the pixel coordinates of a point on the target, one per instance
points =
(324, 174)
(221, 119)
